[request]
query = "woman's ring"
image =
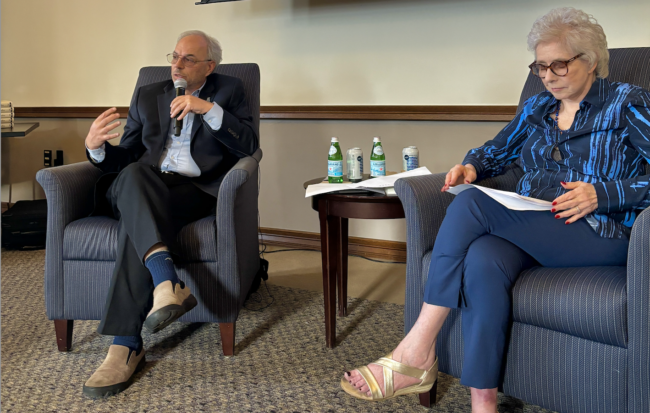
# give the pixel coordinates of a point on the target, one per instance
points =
(579, 211)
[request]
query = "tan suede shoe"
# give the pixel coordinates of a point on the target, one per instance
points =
(169, 303)
(115, 373)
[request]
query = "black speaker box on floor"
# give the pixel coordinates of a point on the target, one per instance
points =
(24, 225)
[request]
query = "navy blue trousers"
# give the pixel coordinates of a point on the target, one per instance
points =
(479, 252)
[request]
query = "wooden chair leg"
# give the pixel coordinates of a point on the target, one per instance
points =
(227, 338)
(342, 271)
(63, 330)
(428, 399)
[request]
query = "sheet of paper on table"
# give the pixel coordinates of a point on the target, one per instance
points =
(510, 200)
(382, 184)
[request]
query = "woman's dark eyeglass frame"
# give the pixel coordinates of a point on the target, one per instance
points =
(171, 58)
(541, 67)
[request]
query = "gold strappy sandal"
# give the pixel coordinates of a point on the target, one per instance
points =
(426, 388)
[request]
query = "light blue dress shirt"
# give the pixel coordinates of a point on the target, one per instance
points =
(176, 155)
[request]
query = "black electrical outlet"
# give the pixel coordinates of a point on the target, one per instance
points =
(59, 158)
(47, 158)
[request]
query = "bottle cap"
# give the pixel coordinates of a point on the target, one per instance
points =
(413, 147)
(376, 139)
(335, 139)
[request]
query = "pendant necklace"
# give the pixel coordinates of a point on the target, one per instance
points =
(556, 154)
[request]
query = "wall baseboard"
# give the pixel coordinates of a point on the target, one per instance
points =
(367, 112)
(392, 112)
(365, 247)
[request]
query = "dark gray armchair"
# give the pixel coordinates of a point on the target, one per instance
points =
(580, 338)
(219, 253)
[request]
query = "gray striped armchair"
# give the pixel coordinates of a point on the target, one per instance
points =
(580, 338)
(219, 253)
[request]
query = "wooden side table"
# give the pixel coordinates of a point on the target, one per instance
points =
(334, 210)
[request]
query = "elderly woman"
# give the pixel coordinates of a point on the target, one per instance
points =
(583, 144)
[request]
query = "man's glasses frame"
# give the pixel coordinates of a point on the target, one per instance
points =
(556, 67)
(187, 61)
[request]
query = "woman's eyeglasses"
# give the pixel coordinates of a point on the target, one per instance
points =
(560, 68)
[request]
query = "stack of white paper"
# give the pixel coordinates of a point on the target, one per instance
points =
(387, 181)
(510, 200)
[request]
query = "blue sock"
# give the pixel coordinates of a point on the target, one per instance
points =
(132, 342)
(161, 266)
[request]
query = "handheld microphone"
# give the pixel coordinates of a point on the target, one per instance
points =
(180, 85)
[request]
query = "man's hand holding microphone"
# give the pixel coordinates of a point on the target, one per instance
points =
(188, 103)
(184, 104)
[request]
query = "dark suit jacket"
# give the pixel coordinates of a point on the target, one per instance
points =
(148, 126)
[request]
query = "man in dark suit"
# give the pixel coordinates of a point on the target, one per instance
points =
(155, 183)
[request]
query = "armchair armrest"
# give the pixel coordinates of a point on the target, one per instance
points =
(424, 209)
(638, 315)
(237, 241)
(69, 193)
(425, 206)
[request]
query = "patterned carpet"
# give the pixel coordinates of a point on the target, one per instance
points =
(281, 363)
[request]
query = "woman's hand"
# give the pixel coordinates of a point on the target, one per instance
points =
(459, 174)
(581, 200)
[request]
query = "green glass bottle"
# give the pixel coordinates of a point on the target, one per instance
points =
(335, 163)
(377, 159)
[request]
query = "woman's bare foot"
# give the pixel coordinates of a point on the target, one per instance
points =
(408, 352)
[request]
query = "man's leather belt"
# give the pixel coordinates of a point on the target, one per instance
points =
(156, 169)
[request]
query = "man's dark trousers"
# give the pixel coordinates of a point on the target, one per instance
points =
(151, 207)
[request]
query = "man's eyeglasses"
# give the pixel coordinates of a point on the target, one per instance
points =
(560, 68)
(187, 61)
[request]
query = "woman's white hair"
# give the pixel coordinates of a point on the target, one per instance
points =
(578, 31)
(214, 48)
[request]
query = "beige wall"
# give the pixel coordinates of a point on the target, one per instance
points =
(23, 157)
(311, 52)
(385, 52)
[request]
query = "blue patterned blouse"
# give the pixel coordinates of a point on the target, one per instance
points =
(608, 145)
